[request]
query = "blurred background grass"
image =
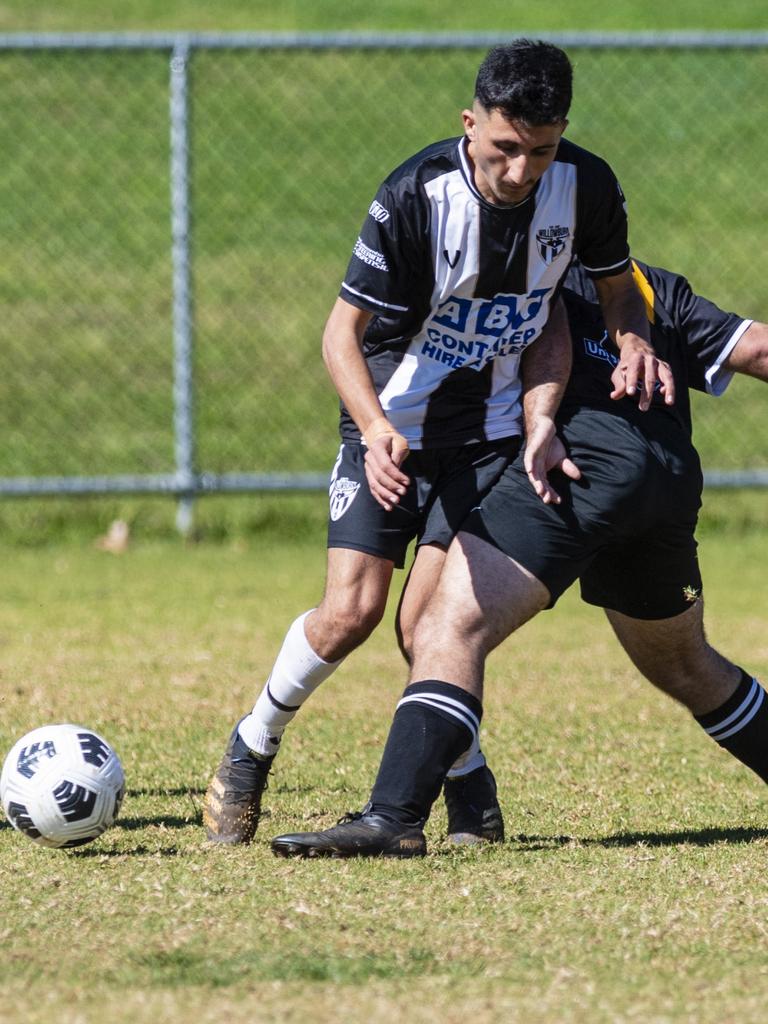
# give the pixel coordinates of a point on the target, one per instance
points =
(393, 15)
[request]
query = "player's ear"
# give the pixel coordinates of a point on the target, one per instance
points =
(470, 124)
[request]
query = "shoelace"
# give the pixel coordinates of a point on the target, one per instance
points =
(349, 817)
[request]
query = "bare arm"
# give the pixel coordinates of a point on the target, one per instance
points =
(343, 357)
(750, 354)
(545, 368)
(624, 314)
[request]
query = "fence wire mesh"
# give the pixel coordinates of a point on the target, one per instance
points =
(287, 149)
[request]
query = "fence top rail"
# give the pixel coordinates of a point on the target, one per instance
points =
(371, 40)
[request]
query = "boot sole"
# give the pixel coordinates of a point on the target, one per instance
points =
(298, 851)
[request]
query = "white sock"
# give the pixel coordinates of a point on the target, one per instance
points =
(295, 676)
(472, 759)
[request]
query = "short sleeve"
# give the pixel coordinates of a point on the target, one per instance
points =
(387, 254)
(709, 333)
(602, 244)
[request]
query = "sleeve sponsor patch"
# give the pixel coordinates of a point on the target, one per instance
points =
(370, 256)
(377, 211)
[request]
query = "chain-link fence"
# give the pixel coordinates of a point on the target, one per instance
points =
(131, 363)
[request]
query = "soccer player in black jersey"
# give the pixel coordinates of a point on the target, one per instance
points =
(450, 293)
(625, 528)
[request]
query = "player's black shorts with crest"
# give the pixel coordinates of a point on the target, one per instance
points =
(446, 483)
(626, 529)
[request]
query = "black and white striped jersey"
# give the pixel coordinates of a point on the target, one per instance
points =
(459, 287)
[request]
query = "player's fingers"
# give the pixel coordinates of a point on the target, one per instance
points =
(400, 450)
(667, 379)
(570, 469)
(650, 378)
(541, 485)
(630, 370)
(386, 497)
(379, 462)
(619, 383)
(382, 491)
(386, 476)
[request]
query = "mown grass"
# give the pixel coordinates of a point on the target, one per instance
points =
(329, 15)
(631, 886)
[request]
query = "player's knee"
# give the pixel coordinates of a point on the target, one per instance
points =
(349, 623)
(439, 629)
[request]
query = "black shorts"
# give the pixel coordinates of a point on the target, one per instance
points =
(446, 483)
(626, 529)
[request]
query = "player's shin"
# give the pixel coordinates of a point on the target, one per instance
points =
(295, 676)
(435, 722)
(740, 725)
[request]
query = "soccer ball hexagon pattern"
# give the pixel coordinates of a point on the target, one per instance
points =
(62, 785)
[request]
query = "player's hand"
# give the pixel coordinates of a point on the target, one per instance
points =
(545, 451)
(387, 450)
(640, 369)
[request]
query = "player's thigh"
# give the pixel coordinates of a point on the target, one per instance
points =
(419, 588)
(553, 543)
(482, 597)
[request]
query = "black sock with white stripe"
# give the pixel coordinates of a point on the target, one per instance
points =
(434, 723)
(741, 725)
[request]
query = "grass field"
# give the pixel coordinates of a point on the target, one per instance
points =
(632, 886)
(393, 15)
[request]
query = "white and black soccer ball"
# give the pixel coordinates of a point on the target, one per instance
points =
(62, 785)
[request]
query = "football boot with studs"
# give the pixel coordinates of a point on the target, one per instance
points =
(474, 814)
(232, 804)
(362, 834)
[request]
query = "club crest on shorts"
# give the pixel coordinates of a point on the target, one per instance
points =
(551, 242)
(342, 494)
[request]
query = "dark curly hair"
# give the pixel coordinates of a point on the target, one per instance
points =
(527, 80)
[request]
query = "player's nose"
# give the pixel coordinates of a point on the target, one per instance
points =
(518, 170)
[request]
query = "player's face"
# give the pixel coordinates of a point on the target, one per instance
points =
(509, 157)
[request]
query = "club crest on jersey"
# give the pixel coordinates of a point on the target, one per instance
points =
(551, 242)
(342, 494)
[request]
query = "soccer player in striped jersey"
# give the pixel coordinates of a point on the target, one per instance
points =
(451, 291)
(625, 527)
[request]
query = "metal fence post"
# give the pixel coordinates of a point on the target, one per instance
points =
(183, 326)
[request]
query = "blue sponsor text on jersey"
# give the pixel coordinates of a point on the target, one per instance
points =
(596, 350)
(463, 324)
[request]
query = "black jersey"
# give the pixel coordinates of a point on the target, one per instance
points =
(459, 287)
(689, 332)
